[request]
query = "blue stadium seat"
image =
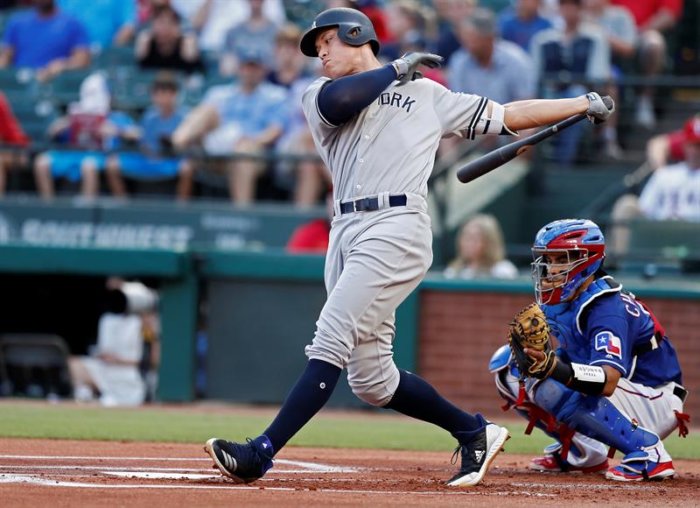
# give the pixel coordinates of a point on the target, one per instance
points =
(65, 88)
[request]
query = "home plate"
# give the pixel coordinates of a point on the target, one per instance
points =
(161, 476)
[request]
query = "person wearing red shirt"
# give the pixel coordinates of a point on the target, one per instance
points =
(312, 237)
(653, 18)
(11, 133)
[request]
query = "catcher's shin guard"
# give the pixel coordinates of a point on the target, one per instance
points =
(595, 417)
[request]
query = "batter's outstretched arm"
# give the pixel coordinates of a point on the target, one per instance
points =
(533, 113)
(343, 98)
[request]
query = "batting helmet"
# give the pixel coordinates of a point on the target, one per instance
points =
(354, 28)
(582, 242)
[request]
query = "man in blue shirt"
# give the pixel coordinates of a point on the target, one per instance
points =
(158, 123)
(519, 23)
(46, 40)
(489, 66)
(108, 22)
(614, 380)
(245, 119)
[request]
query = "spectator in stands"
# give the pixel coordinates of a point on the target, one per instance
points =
(672, 192)
(407, 20)
(88, 128)
(112, 370)
(289, 64)
(307, 175)
(211, 19)
(246, 118)
(620, 31)
(487, 65)
(165, 46)
(481, 251)
(146, 8)
(153, 161)
(13, 4)
(46, 40)
(568, 62)
(312, 237)
(450, 14)
(11, 134)
(520, 22)
(108, 22)
(653, 18)
(666, 147)
(257, 30)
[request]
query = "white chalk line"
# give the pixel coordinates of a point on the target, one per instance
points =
(26, 479)
(306, 467)
(174, 473)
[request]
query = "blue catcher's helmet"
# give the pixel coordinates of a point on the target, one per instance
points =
(354, 28)
(565, 253)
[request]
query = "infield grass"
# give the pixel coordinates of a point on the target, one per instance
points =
(196, 423)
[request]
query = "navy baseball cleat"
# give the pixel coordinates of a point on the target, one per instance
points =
(243, 463)
(477, 455)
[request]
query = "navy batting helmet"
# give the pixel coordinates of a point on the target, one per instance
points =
(354, 28)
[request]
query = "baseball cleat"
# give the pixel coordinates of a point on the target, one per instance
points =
(555, 464)
(640, 465)
(477, 455)
(243, 463)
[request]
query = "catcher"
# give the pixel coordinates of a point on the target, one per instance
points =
(613, 383)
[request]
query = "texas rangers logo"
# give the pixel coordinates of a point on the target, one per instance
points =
(611, 344)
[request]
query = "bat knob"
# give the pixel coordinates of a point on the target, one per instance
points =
(609, 103)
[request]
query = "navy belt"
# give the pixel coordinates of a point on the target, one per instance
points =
(680, 392)
(370, 204)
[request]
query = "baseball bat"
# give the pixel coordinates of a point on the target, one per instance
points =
(490, 161)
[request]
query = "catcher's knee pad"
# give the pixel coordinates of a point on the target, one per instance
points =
(505, 374)
(374, 384)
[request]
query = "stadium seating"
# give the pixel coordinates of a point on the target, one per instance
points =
(35, 364)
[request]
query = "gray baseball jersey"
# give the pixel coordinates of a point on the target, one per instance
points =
(376, 258)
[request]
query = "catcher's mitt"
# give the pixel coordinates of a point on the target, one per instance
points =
(529, 329)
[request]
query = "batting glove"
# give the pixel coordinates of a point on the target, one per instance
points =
(406, 67)
(599, 108)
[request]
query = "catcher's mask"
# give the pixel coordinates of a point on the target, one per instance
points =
(354, 28)
(565, 253)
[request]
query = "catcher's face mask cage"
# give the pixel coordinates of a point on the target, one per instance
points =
(565, 254)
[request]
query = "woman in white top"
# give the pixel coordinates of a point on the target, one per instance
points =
(481, 251)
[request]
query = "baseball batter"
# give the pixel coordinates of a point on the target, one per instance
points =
(377, 128)
(615, 380)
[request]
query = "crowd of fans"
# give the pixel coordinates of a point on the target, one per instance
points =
(227, 77)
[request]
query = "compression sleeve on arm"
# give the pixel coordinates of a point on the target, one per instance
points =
(343, 98)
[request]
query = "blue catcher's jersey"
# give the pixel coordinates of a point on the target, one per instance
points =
(604, 326)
